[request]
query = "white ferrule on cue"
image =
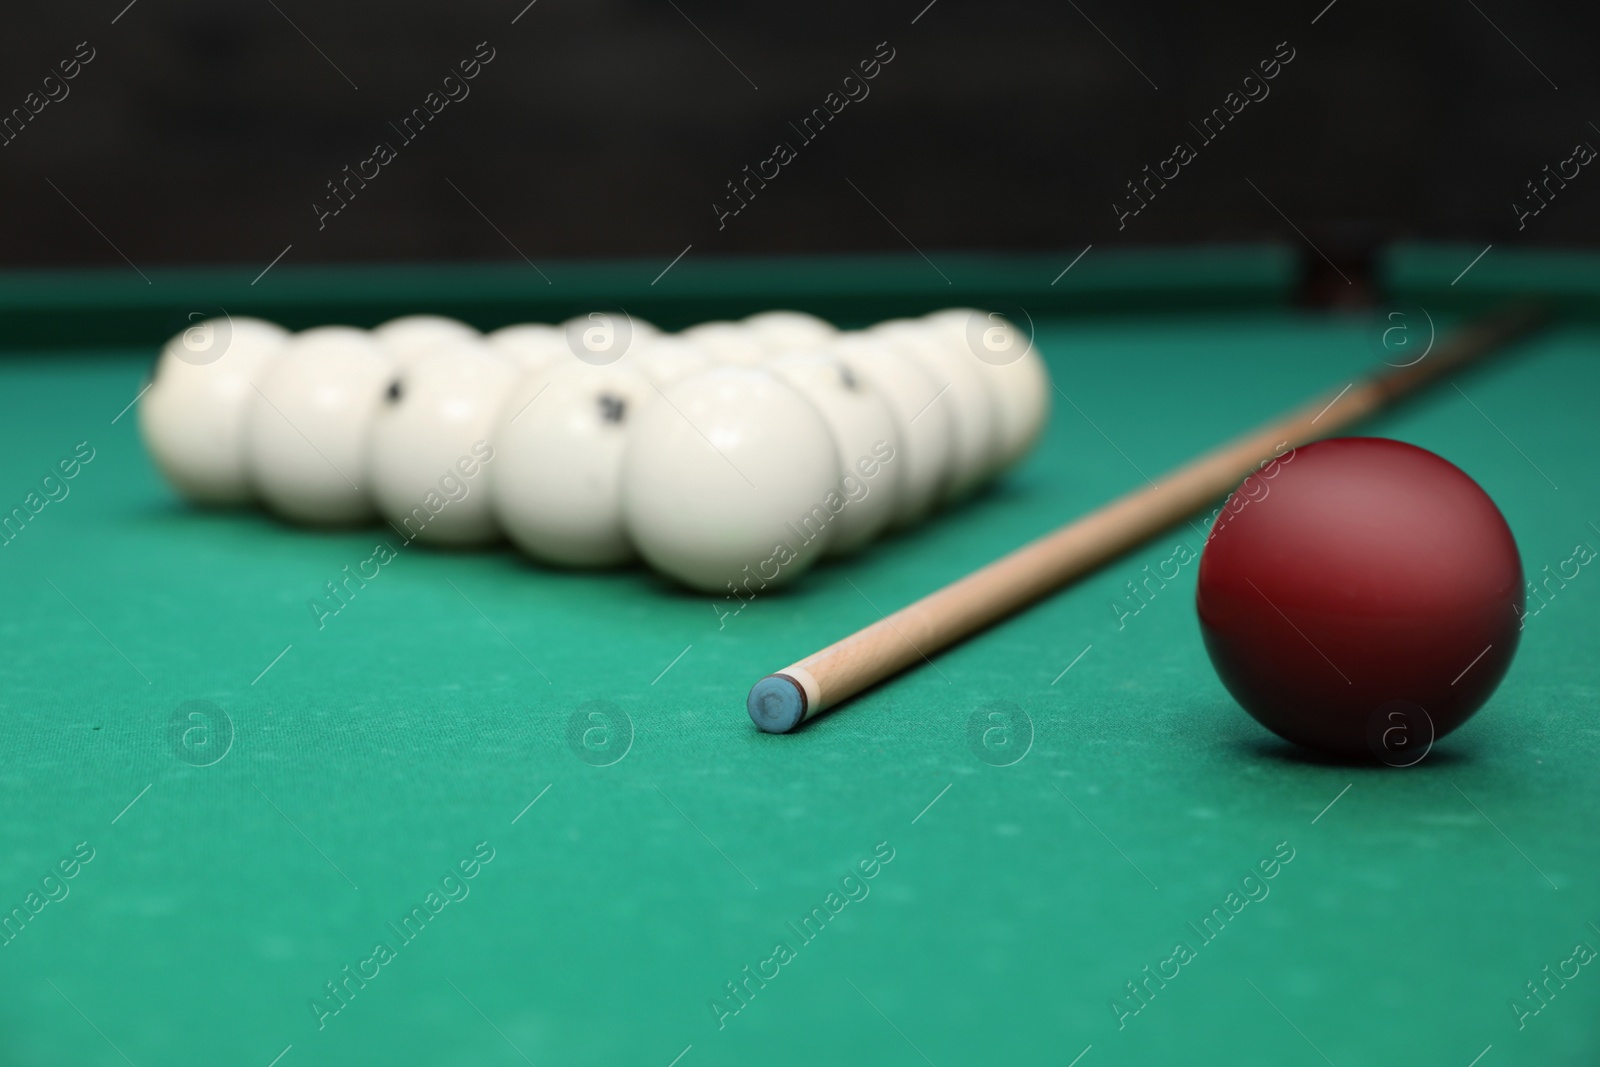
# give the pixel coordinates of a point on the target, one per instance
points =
(781, 701)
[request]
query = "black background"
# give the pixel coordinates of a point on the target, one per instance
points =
(205, 131)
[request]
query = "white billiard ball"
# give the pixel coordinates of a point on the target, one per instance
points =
(667, 358)
(723, 482)
(530, 345)
(923, 425)
(192, 418)
(431, 440)
(411, 337)
(964, 390)
(866, 438)
(732, 344)
(556, 481)
(305, 436)
(600, 338)
(790, 331)
(1018, 379)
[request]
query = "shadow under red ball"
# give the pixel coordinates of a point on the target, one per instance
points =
(1355, 576)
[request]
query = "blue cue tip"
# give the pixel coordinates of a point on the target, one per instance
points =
(776, 704)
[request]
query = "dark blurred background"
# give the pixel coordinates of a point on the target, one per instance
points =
(206, 131)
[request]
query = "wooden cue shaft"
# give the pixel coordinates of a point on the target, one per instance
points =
(940, 619)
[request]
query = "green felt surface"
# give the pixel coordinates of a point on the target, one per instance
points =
(424, 718)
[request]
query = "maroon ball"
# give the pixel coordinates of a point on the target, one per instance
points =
(1361, 595)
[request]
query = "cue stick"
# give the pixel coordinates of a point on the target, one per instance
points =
(781, 701)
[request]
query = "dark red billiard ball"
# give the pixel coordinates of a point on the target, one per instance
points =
(1360, 595)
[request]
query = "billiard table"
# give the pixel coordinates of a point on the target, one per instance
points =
(230, 817)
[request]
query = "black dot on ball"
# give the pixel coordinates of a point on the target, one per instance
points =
(848, 379)
(394, 392)
(612, 408)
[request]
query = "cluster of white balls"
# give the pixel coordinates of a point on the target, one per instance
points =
(729, 454)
